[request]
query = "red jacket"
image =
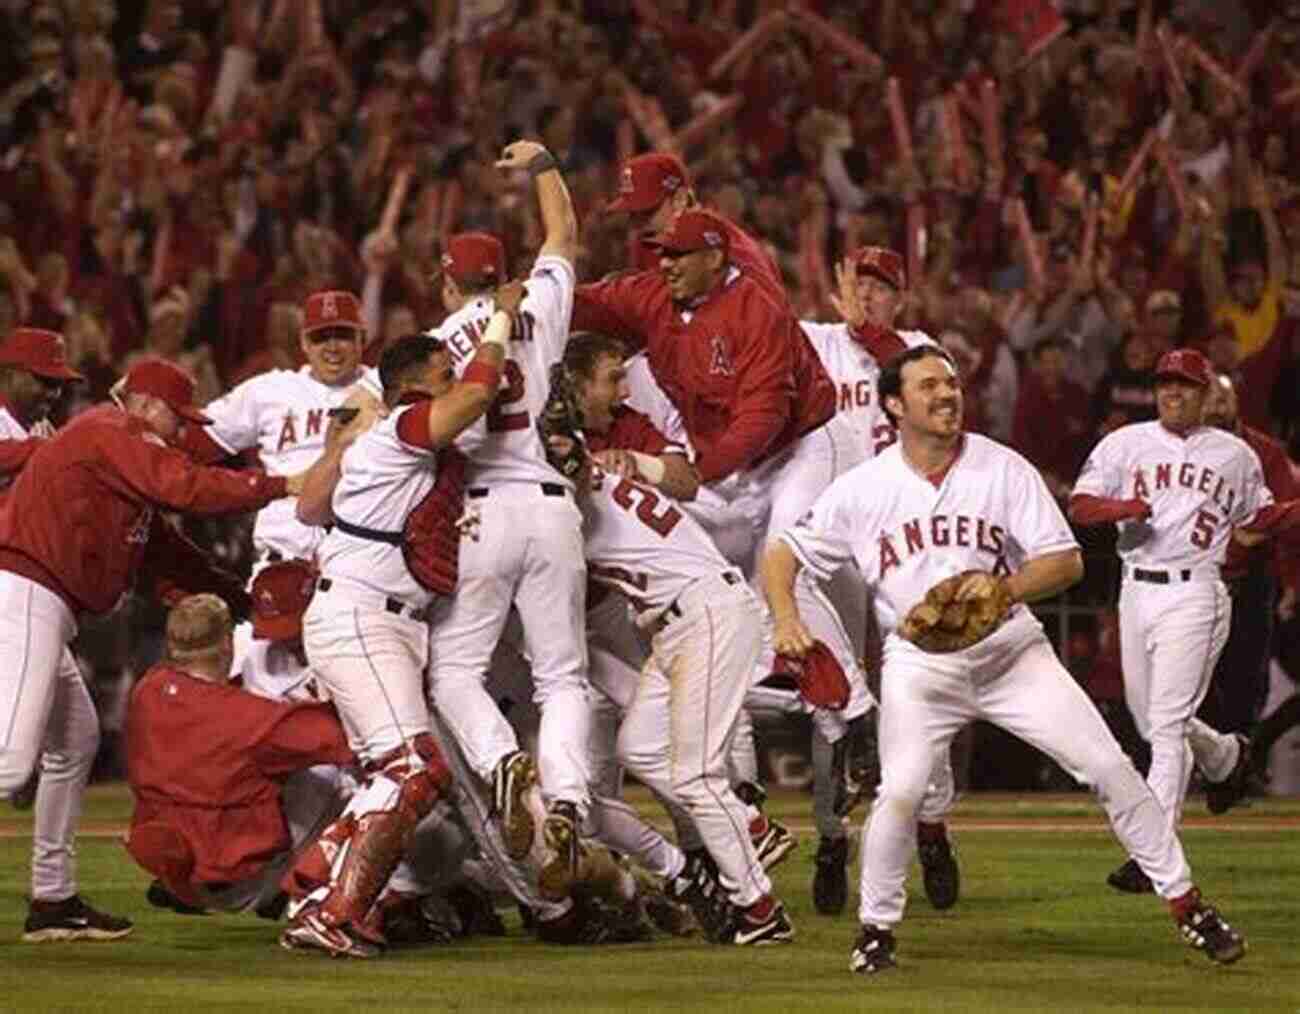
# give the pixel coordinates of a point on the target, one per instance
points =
(206, 762)
(1281, 482)
(741, 371)
(78, 516)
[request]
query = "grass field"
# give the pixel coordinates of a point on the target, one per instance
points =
(1036, 930)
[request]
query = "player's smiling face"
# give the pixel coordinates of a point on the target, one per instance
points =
(603, 393)
(333, 353)
(689, 274)
(1180, 403)
(931, 399)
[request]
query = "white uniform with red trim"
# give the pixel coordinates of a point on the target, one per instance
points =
(365, 630)
(67, 756)
(526, 551)
(1174, 610)
(992, 512)
(708, 633)
(282, 413)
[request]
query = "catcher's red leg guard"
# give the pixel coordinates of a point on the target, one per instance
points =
(396, 799)
(312, 868)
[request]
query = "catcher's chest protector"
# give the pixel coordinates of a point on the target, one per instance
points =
(430, 537)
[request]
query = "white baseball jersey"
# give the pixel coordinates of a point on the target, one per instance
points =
(991, 511)
(1199, 488)
(640, 542)
(383, 478)
(282, 413)
(855, 373)
(647, 397)
(504, 445)
(271, 670)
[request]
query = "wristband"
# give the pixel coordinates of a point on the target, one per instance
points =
(651, 468)
(542, 162)
(498, 329)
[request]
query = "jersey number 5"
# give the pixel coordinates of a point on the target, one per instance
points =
(1203, 529)
(498, 419)
(642, 502)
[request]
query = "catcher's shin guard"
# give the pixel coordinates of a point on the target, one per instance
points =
(387, 811)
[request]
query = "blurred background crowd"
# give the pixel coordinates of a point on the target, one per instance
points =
(1079, 185)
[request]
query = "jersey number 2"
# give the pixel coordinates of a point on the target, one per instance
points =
(498, 419)
(626, 495)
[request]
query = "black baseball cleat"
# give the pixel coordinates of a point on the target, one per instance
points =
(1204, 929)
(71, 919)
(757, 925)
(1130, 879)
(831, 881)
(873, 951)
(940, 873)
(1220, 797)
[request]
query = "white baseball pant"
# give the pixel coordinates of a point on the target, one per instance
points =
(677, 734)
(46, 715)
(1171, 636)
(1014, 680)
(527, 552)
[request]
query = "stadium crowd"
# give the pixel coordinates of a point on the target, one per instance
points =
(1079, 187)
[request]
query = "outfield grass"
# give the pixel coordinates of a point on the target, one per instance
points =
(1036, 929)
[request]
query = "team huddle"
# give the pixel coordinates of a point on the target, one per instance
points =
(640, 498)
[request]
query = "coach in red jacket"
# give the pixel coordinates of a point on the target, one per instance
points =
(207, 761)
(74, 529)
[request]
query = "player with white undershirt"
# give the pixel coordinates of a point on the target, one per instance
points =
(938, 503)
(284, 415)
(525, 549)
(1177, 488)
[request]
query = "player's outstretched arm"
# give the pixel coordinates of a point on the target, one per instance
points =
(347, 422)
(559, 220)
(671, 473)
(777, 570)
(1045, 576)
(453, 412)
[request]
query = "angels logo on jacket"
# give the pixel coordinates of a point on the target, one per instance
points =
(720, 365)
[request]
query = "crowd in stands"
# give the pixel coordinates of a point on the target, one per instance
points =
(1079, 185)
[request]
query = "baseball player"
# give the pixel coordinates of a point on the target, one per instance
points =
(33, 370)
(284, 414)
(707, 634)
(872, 288)
(77, 527)
(365, 630)
(218, 825)
(528, 548)
(1177, 488)
(935, 504)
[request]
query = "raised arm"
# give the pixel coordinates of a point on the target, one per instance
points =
(559, 221)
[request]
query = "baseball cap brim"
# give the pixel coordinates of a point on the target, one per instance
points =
(190, 413)
(322, 324)
(277, 628)
(633, 203)
(57, 373)
(1179, 375)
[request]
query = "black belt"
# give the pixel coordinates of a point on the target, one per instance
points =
(395, 606)
(548, 489)
(373, 534)
(1160, 576)
(674, 611)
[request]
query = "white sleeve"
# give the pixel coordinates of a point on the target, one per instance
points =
(1102, 474)
(235, 417)
(549, 301)
(823, 538)
(1256, 495)
(1041, 527)
(823, 337)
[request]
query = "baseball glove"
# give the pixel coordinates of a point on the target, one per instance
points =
(957, 612)
(561, 417)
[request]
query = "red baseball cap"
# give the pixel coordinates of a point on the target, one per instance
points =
(1186, 364)
(694, 229)
(646, 181)
(882, 263)
(38, 351)
(167, 381)
(331, 308)
(474, 256)
(281, 593)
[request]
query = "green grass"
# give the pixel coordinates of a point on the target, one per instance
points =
(1036, 930)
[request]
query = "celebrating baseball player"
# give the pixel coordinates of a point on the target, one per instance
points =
(706, 636)
(217, 825)
(527, 548)
(872, 287)
(284, 414)
(1177, 488)
(77, 527)
(955, 533)
(365, 630)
